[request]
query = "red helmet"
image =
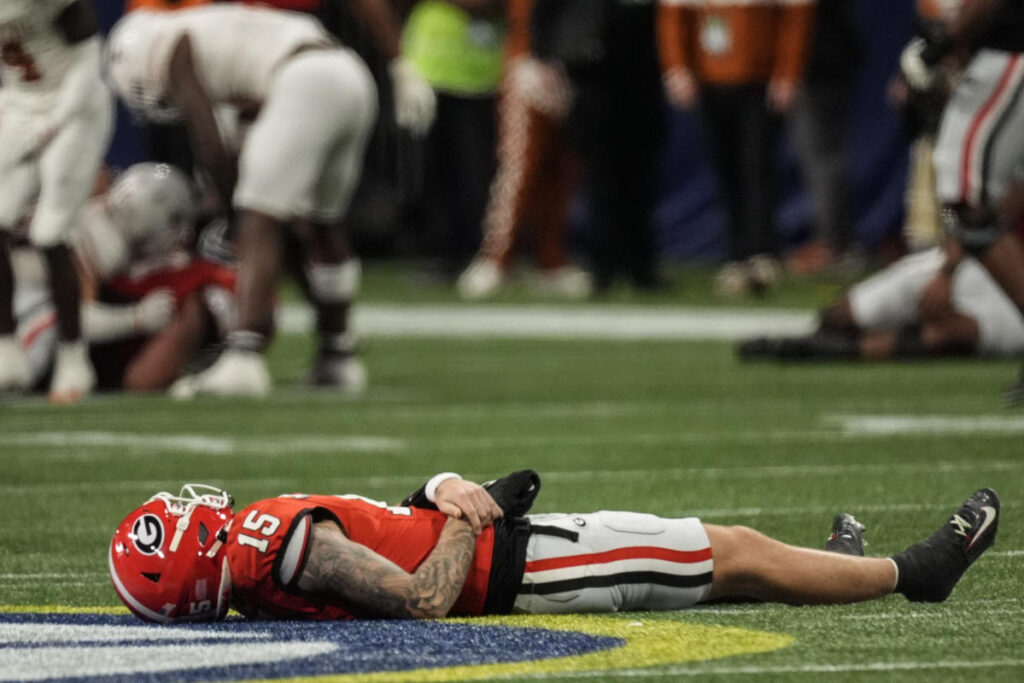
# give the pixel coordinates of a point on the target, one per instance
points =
(166, 559)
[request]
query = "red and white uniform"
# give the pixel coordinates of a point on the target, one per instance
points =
(600, 562)
(53, 91)
(267, 546)
(303, 154)
(981, 140)
(889, 300)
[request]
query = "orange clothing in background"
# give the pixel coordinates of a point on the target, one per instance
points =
(730, 42)
(517, 32)
(162, 4)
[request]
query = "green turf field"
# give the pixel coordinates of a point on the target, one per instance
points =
(669, 427)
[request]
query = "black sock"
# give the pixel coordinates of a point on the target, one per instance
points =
(929, 570)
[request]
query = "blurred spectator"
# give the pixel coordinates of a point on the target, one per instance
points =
(742, 61)
(820, 127)
(457, 46)
(609, 53)
(535, 176)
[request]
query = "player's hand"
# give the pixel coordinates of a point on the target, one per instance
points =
(936, 300)
(154, 312)
(467, 501)
(781, 95)
(917, 65)
(543, 85)
(415, 101)
(681, 88)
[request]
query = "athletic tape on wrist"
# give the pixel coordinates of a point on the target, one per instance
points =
(430, 490)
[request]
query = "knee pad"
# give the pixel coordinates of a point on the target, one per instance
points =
(334, 283)
(974, 237)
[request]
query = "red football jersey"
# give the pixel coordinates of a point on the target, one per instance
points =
(263, 574)
(181, 280)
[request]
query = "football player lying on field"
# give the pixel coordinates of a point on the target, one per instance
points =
(919, 306)
(148, 304)
(459, 548)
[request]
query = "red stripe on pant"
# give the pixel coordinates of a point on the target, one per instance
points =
(635, 553)
(972, 134)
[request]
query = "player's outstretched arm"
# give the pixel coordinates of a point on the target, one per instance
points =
(351, 575)
(204, 135)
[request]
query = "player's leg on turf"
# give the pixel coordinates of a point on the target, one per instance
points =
(68, 168)
(750, 564)
(20, 183)
(332, 270)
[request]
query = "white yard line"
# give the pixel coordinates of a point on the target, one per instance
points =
(852, 667)
(208, 445)
(560, 322)
(890, 425)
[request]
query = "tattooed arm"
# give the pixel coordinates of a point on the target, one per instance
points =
(351, 575)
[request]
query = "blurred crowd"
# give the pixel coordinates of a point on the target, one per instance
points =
(480, 134)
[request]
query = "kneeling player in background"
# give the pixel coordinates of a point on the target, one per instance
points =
(456, 548)
(917, 307)
(148, 304)
(297, 170)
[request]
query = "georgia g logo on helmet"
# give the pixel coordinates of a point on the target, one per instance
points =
(148, 534)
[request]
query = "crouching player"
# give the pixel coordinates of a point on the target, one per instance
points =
(456, 548)
(148, 304)
(314, 105)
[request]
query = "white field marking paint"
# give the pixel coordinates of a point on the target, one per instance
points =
(855, 667)
(192, 443)
(42, 663)
(79, 633)
(560, 322)
(890, 425)
(990, 613)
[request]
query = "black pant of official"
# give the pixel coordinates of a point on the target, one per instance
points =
(616, 126)
(741, 135)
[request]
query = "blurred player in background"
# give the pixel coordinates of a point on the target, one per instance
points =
(313, 106)
(55, 124)
(980, 149)
(148, 304)
(886, 316)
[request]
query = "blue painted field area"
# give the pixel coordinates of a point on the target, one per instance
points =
(96, 647)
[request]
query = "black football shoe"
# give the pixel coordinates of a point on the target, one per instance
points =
(928, 570)
(847, 536)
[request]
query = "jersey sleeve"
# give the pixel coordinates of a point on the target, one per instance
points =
(266, 552)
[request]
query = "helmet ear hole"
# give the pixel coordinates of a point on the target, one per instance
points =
(152, 576)
(204, 534)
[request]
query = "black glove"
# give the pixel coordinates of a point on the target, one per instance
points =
(516, 492)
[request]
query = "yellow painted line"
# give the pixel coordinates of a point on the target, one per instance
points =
(60, 609)
(649, 643)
